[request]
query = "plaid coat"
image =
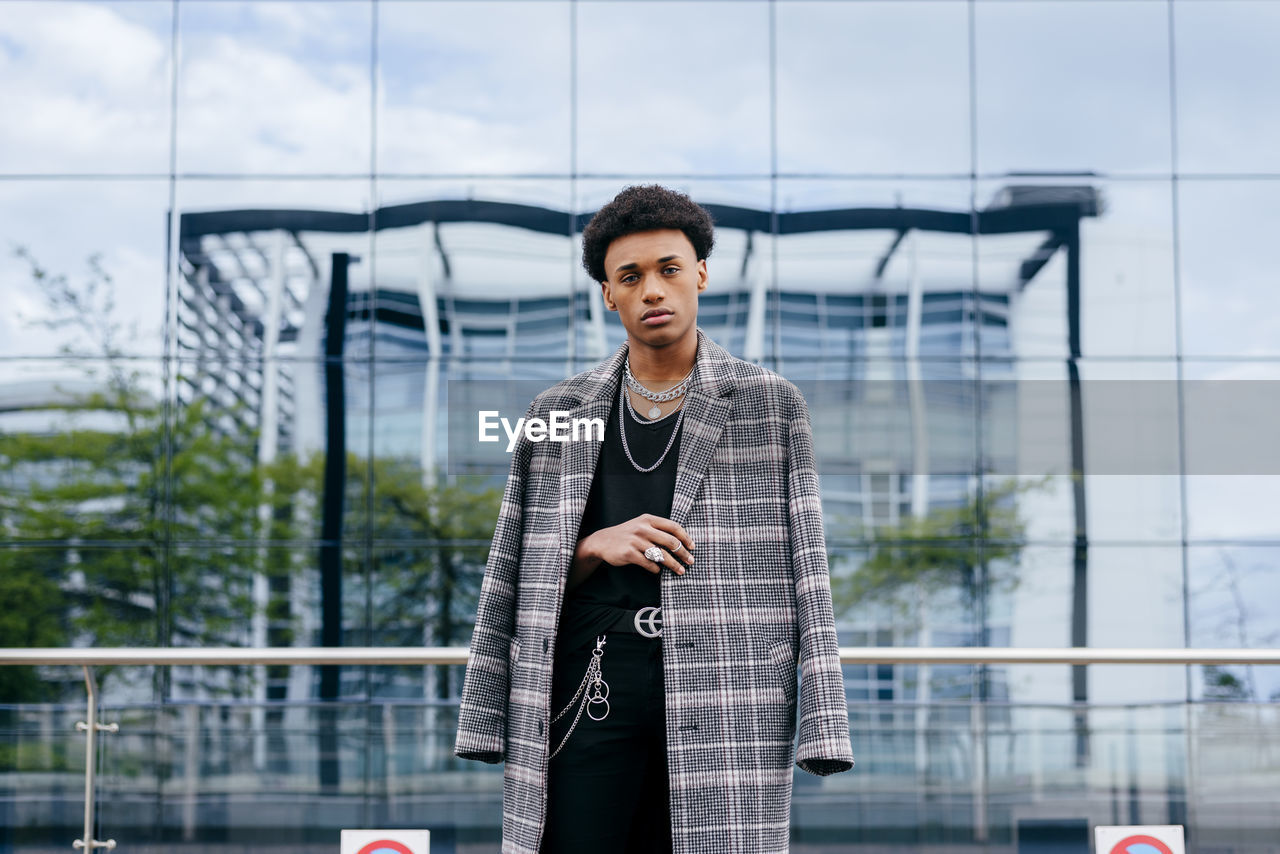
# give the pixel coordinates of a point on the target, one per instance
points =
(756, 602)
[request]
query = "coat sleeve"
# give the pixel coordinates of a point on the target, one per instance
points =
(482, 714)
(824, 746)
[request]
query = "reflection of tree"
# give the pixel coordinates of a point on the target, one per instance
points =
(454, 523)
(1221, 683)
(936, 553)
(110, 513)
(103, 496)
(963, 555)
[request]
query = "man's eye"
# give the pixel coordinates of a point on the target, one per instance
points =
(628, 279)
(671, 268)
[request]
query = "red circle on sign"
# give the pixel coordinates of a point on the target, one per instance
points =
(396, 847)
(1122, 847)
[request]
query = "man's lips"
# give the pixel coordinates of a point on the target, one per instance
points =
(657, 318)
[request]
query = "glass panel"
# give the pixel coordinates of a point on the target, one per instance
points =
(267, 595)
(131, 776)
(397, 196)
(1135, 599)
(1094, 98)
(1228, 103)
(275, 87)
(414, 503)
(1230, 305)
(751, 193)
(1235, 602)
(238, 596)
(76, 595)
(489, 262)
(921, 586)
(1035, 588)
(652, 101)
(84, 267)
(1129, 448)
(242, 450)
(81, 451)
(1125, 287)
(256, 263)
(304, 759)
(858, 261)
(895, 446)
(41, 742)
(1233, 482)
(87, 87)
(425, 589)
(1228, 757)
(1236, 507)
(464, 88)
(873, 87)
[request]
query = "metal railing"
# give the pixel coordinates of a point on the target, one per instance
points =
(87, 659)
(373, 655)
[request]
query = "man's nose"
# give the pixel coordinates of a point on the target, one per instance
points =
(651, 288)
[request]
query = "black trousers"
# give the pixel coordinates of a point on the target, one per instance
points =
(607, 790)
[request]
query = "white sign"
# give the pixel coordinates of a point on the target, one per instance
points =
(1139, 839)
(387, 842)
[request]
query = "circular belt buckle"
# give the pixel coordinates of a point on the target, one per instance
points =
(648, 621)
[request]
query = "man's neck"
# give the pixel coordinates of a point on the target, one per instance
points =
(662, 367)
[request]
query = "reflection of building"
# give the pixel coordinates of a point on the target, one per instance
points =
(853, 287)
(848, 302)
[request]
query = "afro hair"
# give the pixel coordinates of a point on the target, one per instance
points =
(644, 208)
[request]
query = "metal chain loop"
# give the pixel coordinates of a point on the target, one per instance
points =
(593, 691)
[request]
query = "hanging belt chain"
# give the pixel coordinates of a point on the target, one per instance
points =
(591, 694)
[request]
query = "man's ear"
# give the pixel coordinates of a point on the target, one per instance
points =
(702, 274)
(608, 300)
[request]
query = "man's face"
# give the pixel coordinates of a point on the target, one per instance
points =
(654, 281)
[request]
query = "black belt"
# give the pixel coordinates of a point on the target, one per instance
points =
(646, 622)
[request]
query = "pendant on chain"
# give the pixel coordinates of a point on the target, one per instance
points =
(654, 411)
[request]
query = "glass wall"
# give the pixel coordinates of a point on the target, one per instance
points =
(1013, 252)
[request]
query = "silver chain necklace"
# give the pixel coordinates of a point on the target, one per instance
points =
(655, 397)
(640, 420)
(623, 432)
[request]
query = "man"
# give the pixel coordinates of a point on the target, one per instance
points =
(647, 598)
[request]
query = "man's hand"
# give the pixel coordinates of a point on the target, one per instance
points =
(625, 543)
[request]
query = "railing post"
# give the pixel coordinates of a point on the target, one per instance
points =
(91, 727)
(190, 772)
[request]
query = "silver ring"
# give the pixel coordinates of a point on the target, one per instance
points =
(678, 547)
(654, 554)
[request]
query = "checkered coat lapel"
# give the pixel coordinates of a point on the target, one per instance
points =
(755, 605)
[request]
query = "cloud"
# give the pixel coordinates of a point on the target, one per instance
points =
(1228, 100)
(873, 87)
(684, 90)
(86, 90)
(247, 108)
(1073, 86)
(63, 223)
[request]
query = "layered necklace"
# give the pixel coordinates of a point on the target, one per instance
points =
(654, 397)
